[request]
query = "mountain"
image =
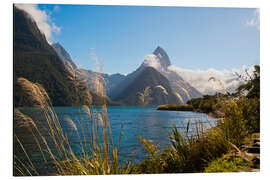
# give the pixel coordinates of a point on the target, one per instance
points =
(52, 67)
(92, 79)
(35, 60)
(163, 57)
(88, 78)
(160, 90)
(161, 62)
(115, 92)
(64, 56)
(112, 81)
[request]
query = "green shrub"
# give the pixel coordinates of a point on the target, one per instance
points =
(185, 153)
(227, 164)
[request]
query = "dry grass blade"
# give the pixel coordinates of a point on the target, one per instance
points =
(144, 97)
(29, 160)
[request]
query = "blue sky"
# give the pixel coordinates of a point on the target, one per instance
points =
(121, 36)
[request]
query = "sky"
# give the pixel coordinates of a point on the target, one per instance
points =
(200, 41)
(121, 36)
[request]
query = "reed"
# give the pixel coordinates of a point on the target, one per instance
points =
(144, 96)
(195, 152)
(185, 153)
(100, 157)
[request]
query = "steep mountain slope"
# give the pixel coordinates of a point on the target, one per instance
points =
(35, 60)
(88, 76)
(160, 90)
(64, 55)
(92, 78)
(116, 91)
(89, 79)
(112, 81)
(161, 61)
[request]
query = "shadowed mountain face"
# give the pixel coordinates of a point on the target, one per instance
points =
(163, 57)
(171, 82)
(53, 68)
(90, 79)
(64, 55)
(161, 61)
(160, 90)
(36, 61)
(108, 81)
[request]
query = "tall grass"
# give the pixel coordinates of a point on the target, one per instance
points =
(193, 153)
(186, 152)
(100, 156)
(144, 96)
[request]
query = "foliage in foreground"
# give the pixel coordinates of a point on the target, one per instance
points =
(52, 146)
(241, 118)
(227, 163)
(186, 153)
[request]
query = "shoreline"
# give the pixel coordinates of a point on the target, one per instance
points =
(186, 107)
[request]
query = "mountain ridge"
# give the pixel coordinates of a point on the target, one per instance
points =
(35, 60)
(160, 91)
(160, 61)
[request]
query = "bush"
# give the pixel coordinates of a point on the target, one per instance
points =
(227, 164)
(241, 117)
(185, 153)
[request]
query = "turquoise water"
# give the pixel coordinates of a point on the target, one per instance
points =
(144, 121)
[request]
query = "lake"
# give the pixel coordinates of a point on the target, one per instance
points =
(147, 122)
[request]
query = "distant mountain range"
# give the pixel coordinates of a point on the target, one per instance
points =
(52, 67)
(172, 87)
(166, 86)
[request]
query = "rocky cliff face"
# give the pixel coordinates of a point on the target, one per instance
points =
(161, 61)
(36, 61)
(64, 56)
(159, 93)
(177, 87)
(163, 57)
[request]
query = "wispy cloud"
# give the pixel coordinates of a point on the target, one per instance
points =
(43, 20)
(254, 21)
(152, 60)
(199, 78)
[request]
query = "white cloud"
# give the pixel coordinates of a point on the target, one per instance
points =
(42, 19)
(200, 78)
(152, 61)
(254, 21)
(55, 28)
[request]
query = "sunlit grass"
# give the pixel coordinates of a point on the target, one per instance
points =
(100, 157)
(200, 151)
